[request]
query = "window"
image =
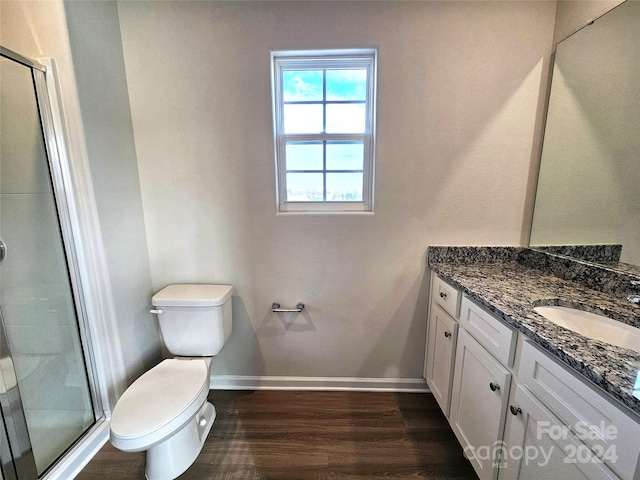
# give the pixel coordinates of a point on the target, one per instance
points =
(324, 124)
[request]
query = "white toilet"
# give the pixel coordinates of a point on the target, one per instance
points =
(165, 411)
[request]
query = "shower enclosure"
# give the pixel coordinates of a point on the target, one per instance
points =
(48, 397)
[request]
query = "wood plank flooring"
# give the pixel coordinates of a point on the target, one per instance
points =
(284, 435)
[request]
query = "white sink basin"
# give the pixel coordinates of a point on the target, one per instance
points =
(594, 326)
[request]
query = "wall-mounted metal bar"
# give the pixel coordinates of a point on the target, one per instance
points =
(275, 307)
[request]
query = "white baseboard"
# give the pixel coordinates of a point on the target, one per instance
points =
(245, 382)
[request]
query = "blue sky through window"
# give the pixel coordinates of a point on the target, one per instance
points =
(341, 85)
(302, 85)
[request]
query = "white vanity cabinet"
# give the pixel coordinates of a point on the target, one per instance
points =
(442, 333)
(481, 385)
(518, 412)
(594, 435)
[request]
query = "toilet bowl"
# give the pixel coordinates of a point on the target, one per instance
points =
(165, 411)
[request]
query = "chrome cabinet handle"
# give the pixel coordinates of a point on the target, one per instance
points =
(3, 251)
(515, 410)
(447, 334)
(494, 386)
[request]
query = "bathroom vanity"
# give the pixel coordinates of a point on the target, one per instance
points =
(526, 397)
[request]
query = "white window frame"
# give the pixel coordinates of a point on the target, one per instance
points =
(318, 59)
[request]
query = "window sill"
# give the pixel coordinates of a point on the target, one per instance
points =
(332, 208)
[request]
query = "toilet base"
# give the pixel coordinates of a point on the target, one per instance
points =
(171, 457)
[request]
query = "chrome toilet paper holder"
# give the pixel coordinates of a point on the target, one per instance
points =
(275, 307)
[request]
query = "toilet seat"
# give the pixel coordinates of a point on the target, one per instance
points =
(159, 403)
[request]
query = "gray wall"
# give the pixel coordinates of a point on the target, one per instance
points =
(96, 48)
(458, 109)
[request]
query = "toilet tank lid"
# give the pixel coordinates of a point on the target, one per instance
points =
(192, 295)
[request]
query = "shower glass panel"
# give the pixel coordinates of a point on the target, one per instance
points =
(36, 296)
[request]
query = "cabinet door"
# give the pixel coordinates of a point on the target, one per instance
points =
(537, 446)
(478, 404)
(441, 346)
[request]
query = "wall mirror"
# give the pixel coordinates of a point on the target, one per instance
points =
(589, 183)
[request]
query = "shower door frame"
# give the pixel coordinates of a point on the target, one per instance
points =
(62, 183)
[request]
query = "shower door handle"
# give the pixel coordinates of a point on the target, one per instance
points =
(3, 251)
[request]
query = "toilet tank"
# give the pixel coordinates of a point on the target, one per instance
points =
(195, 319)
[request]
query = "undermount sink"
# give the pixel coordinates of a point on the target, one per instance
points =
(592, 325)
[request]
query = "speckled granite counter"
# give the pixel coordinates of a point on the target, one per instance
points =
(510, 282)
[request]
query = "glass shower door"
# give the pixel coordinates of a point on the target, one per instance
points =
(38, 308)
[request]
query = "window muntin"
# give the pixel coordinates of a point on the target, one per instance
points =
(324, 127)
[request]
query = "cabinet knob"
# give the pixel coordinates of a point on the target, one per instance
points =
(447, 334)
(494, 386)
(515, 410)
(443, 294)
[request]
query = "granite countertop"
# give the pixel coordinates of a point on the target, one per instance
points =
(511, 288)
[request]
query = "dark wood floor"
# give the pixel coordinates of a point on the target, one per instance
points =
(313, 435)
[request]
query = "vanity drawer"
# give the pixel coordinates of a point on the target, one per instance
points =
(609, 431)
(446, 296)
(498, 338)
